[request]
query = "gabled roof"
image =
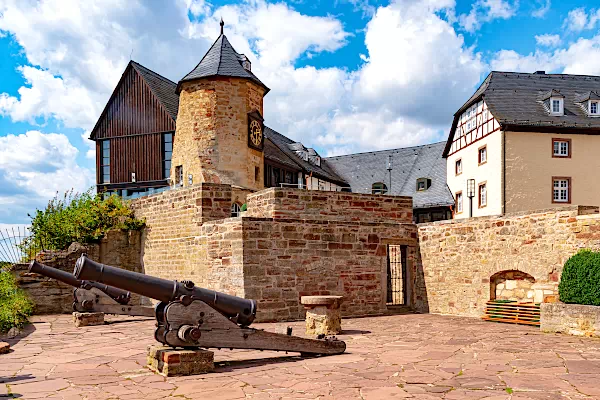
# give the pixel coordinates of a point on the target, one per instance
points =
(587, 96)
(551, 93)
(324, 171)
(408, 164)
(163, 88)
(221, 60)
(514, 99)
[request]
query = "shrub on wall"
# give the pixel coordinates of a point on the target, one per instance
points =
(580, 280)
(83, 218)
(15, 306)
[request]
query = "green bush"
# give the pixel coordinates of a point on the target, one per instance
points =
(83, 218)
(15, 306)
(580, 280)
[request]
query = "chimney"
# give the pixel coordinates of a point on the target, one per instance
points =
(540, 72)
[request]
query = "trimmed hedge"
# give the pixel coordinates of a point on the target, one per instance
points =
(580, 280)
(15, 306)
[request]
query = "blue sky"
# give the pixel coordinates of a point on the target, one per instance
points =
(346, 75)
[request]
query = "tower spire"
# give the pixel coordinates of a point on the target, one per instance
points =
(222, 25)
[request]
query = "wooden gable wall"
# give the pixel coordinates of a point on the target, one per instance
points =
(134, 122)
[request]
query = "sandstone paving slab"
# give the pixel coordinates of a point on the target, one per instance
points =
(406, 356)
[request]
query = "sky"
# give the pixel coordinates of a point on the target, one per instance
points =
(345, 75)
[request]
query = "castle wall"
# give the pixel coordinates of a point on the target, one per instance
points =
(459, 259)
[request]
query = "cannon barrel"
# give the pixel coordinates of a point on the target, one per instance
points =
(242, 310)
(118, 295)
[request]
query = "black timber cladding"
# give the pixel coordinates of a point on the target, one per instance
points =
(408, 164)
(515, 100)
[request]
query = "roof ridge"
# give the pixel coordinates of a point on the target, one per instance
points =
(135, 63)
(420, 146)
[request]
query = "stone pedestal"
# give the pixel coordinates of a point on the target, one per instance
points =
(323, 315)
(88, 319)
(173, 362)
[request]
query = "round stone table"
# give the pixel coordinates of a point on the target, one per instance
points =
(323, 314)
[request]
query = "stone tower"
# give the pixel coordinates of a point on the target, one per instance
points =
(219, 134)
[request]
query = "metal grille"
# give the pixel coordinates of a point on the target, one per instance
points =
(17, 245)
(396, 272)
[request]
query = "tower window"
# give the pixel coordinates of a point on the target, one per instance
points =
(105, 161)
(235, 210)
(179, 175)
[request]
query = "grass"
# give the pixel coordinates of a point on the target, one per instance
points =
(509, 390)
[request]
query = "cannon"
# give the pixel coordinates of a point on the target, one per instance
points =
(106, 299)
(191, 317)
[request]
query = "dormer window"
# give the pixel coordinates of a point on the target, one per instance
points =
(554, 102)
(423, 184)
(556, 106)
(594, 108)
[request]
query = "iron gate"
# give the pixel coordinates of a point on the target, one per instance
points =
(396, 275)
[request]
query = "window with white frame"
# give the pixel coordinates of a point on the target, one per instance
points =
(458, 167)
(482, 155)
(593, 107)
(482, 195)
(561, 190)
(235, 210)
(459, 202)
(561, 148)
(556, 106)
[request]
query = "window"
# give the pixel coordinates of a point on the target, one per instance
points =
(482, 195)
(482, 157)
(179, 175)
(459, 202)
(379, 188)
(105, 161)
(423, 184)
(555, 106)
(256, 173)
(594, 107)
(561, 190)
(275, 176)
(235, 210)
(167, 151)
(561, 148)
(458, 167)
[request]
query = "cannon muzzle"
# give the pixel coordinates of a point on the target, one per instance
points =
(242, 311)
(118, 295)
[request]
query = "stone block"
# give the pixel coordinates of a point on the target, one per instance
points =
(88, 319)
(176, 362)
(4, 347)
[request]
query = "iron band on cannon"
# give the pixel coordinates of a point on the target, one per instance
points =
(188, 316)
(87, 301)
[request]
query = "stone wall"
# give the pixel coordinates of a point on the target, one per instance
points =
(458, 258)
(572, 319)
(118, 248)
(211, 140)
(290, 243)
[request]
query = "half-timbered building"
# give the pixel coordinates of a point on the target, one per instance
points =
(523, 142)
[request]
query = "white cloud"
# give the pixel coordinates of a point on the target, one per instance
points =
(485, 11)
(543, 6)
(33, 167)
(548, 40)
(578, 19)
(581, 57)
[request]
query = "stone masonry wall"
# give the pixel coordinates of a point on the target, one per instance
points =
(118, 248)
(458, 258)
(172, 245)
(211, 140)
(285, 203)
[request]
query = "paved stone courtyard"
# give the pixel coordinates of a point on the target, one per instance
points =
(403, 356)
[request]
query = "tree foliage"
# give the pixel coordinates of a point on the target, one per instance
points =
(580, 280)
(83, 218)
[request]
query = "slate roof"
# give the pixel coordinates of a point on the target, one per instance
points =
(221, 60)
(515, 100)
(408, 164)
(163, 88)
(281, 142)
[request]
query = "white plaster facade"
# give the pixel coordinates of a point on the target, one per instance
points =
(477, 129)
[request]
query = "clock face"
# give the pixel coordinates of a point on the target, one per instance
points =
(256, 133)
